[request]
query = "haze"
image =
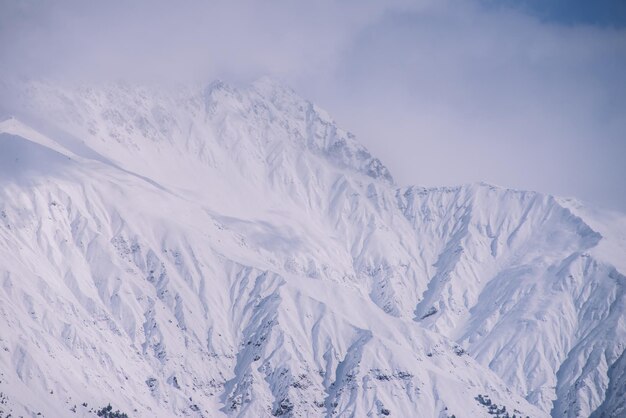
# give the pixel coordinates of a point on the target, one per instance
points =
(523, 94)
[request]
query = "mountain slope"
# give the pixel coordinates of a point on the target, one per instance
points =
(233, 250)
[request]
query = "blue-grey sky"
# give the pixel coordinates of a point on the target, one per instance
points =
(604, 13)
(528, 94)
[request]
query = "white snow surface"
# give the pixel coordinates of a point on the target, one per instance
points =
(232, 252)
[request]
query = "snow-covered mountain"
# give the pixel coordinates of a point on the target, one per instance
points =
(233, 252)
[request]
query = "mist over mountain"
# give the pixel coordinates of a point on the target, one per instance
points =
(231, 251)
(527, 94)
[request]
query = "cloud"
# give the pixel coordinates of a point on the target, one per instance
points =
(445, 91)
(182, 40)
(449, 95)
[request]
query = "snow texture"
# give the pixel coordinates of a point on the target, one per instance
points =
(229, 251)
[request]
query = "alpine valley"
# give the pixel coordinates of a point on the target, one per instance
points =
(231, 252)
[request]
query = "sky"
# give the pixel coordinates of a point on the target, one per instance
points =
(528, 94)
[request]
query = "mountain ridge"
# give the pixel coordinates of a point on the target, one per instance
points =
(257, 195)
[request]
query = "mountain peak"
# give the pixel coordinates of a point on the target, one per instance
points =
(143, 119)
(233, 252)
(270, 87)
